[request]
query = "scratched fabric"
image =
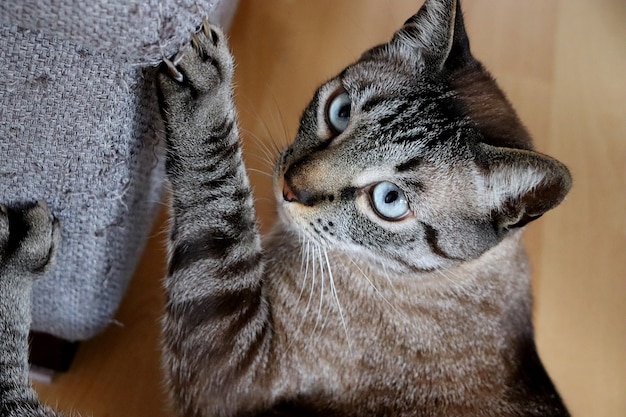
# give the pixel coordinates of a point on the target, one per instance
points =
(80, 129)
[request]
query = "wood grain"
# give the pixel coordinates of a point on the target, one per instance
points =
(562, 64)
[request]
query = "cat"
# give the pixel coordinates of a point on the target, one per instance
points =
(394, 282)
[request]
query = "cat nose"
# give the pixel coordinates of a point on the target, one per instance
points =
(296, 187)
(288, 194)
(292, 195)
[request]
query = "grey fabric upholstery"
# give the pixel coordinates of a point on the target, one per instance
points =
(80, 129)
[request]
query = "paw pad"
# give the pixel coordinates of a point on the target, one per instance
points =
(29, 238)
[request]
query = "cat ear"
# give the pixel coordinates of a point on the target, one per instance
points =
(436, 35)
(521, 185)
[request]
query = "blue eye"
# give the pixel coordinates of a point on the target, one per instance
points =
(338, 112)
(389, 202)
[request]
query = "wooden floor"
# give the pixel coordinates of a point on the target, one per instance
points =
(563, 64)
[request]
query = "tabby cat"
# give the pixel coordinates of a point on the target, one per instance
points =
(394, 282)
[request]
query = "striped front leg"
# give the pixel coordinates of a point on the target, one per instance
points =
(216, 327)
(28, 240)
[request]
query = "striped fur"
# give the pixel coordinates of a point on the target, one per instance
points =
(28, 239)
(343, 311)
(215, 310)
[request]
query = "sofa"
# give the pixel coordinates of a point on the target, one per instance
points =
(80, 128)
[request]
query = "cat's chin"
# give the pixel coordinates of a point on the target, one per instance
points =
(286, 220)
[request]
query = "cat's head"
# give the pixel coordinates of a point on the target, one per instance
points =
(413, 154)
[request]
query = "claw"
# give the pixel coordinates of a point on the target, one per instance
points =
(178, 57)
(171, 67)
(195, 42)
(206, 27)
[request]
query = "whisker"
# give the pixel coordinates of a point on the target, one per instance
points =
(457, 285)
(253, 111)
(261, 159)
(309, 255)
(269, 134)
(336, 296)
(305, 250)
(380, 294)
(304, 265)
(286, 136)
(268, 157)
(319, 311)
(259, 171)
(261, 142)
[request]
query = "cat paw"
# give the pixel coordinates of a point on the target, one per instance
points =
(199, 67)
(29, 238)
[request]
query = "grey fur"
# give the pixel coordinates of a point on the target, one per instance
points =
(342, 312)
(29, 238)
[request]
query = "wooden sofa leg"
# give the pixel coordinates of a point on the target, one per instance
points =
(51, 353)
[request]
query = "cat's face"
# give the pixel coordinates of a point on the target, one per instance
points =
(395, 160)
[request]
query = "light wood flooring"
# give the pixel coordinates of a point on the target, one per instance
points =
(563, 65)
